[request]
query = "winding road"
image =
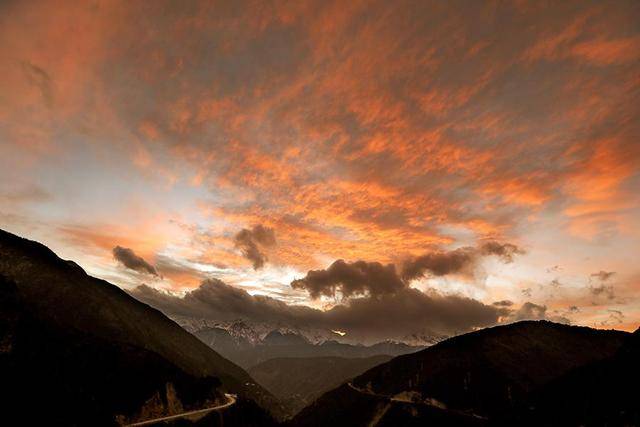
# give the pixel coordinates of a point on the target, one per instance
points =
(433, 403)
(231, 399)
(390, 398)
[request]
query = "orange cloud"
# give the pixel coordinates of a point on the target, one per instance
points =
(356, 131)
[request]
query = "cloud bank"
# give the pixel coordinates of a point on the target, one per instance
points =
(365, 319)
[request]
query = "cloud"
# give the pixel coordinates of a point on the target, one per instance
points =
(217, 300)
(531, 311)
(603, 290)
(503, 303)
(374, 278)
(410, 311)
(180, 271)
(252, 243)
(554, 269)
(505, 251)
(130, 260)
(367, 319)
(459, 261)
(602, 275)
(615, 318)
(416, 134)
(354, 278)
(27, 194)
(41, 80)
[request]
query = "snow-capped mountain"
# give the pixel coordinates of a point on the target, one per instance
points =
(249, 343)
(425, 338)
(255, 332)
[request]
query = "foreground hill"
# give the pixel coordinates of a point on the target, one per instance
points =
(76, 378)
(471, 379)
(598, 394)
(85, 349)
(298, 381)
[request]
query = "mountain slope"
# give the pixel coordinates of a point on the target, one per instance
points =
(600, 393)
(75, 378)
(479, 375)
(61, 296)
(299, 381)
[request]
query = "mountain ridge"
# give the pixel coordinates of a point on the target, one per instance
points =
(64, 296)
(252, 343)
(472, 378)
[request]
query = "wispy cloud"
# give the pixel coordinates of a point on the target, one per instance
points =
(361, 131)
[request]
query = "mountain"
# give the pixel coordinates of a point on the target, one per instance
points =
(75, 378)
(250, 344)
(254, 332)
(425, 338)
(299, 381)
(83, 349)
(597, 394)
(470, 379)
(279, 338)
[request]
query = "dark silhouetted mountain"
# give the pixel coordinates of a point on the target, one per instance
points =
(75, 378)
(603, 393)
(299, 381)
(466, 380)
(345, 406)
(79, 348)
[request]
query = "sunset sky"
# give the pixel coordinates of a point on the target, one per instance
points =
(485, 152)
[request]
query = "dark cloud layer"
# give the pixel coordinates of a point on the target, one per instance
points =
(129, 259)
(389, 316)
(373, 278)
(252, 242)
(410, 311)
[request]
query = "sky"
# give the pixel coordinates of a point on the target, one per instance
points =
(378, 166)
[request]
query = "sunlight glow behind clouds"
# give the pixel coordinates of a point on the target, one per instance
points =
(372, 131)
